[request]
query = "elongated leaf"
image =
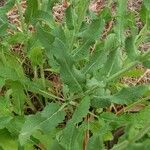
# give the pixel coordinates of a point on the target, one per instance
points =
(89, 36)
(7, 141)
(18, 37)
(36, 56)
(129, 95)
(97, 61)
(121, 20)
(111, 42)
(3, 29)
(100, 102)
(69, 18)
(10, 68)
(143, 13)
(124, 96)
(4, 121)
(18, 97)
(47, 120)
(96, 143)
(5, 108)
(15, 125)
(45, 37)
(67, 72)
(46, 17)
(57, 146)
(113, 64)
(82, 51)
(31, 11)
(72, 138)
(94, 30)
(147, 63)
(59, 33)
(81, 110)
(81, 9)
(100, 56)
(147, 4)
(2, 82)
(130, 48)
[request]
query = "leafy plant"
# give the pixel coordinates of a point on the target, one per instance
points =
(63, 102)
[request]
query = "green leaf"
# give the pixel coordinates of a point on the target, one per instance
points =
(58, 32)
(45, 17)
(69, 18)
(2, 82)
(83, 51)
(45, 121)
(139, 119)
(143, 13)
(146, 63)
(45, 37)
(57, 146)
(72, 136)
(4, 121)
(31, 10)
(95, 142)
(130, 48)
(124, 96)
(81, 110)
(100, 102)
(48, 140)
(94, 30)
(15, 125)
(18, 97)
(89, 36)
(17, 37)
(68, 73)
(5, 106)
(121, 20)
(100, 55)
(147, 4)
(81, 8)
(10, 68)
(113, 64)
(6, 141)
(134, 73)
(129, 95)
(36, 56)
(3, 29)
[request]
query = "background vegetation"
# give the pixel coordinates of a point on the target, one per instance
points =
(72, 75)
